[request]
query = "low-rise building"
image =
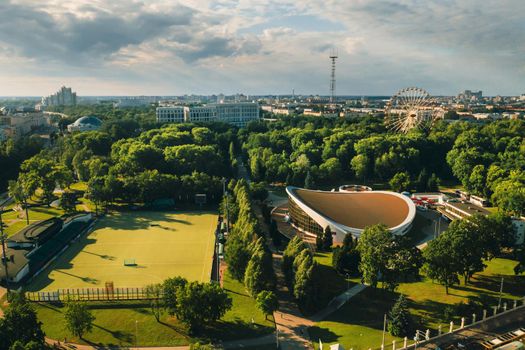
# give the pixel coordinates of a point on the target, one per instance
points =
(19, 124)
(238, 114)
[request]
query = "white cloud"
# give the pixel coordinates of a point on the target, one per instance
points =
(261, 46)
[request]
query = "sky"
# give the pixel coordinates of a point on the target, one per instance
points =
(176, 47)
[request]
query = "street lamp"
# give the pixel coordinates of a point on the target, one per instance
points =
(347, 280)
(136, 332)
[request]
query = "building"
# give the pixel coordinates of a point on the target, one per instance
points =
(63, 97)
(468, 95)
(87, 123)
(455, 209)
(238, 114)
(19, 124)
(174, 114)
(32, 248)
(348, 212)
(130, 102)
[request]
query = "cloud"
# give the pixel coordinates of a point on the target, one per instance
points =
(255, 46)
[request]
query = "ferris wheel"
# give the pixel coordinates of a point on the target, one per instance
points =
(411, 108)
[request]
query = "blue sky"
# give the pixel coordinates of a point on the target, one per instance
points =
(168, 47)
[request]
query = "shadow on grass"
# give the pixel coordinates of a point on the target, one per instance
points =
(325, 334)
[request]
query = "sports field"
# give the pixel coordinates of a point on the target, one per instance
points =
(162, 244)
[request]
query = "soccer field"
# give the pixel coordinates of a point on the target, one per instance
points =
(162, 244)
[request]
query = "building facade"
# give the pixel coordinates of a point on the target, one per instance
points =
(238, 114)
(63, 97)
(19, 124)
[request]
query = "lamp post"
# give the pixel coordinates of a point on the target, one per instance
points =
(384, 331)
(4, 255)
(136, 332)
(347, 281)
(500, 293)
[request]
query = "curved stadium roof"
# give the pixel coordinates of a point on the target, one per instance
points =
(357, 210)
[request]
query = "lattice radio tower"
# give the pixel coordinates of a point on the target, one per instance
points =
(333, 57)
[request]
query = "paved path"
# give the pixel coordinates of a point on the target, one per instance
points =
(337, 302)
(62, 345)
(291, 325)
(243, 343)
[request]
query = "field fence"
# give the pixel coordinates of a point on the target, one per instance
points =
(92, 294)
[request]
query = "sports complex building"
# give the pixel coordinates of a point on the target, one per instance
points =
(348, 211)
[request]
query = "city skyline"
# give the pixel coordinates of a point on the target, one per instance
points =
(260, 47)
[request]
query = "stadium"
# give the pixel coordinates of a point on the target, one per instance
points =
(348, 212)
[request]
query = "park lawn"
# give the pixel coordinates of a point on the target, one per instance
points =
(333, 283)
(79, 186)
(237, 323)
(15, 221)
(163, 244)
(115, 323)
(358, 324)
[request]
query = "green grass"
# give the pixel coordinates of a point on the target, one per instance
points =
(180, 244)
(358, 324)
(333, 283)
(79, 186)
(115, 323)
(15, 221)
(237, 323)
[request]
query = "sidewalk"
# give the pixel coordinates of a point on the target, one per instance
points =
(337, 302)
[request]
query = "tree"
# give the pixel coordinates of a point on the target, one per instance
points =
(20, 324)
(155, 296)
(433, 183)
(440, 263)
(259, 272)
(237, 256)
(399, 318)
(68, 201)
(79, 319)
(309, 180)
(198, 304)
(18, 192)
(400, 182)
(267, 302)
(345, 259)
(373, 246)
(170, 287)
(422, 181)
(324, 240)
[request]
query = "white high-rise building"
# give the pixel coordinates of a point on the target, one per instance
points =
(238, 114)
(64, 97)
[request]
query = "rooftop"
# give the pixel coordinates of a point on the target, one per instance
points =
(357, 209)
(468, 208)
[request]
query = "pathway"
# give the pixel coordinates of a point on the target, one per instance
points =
(337, 302)
(62, 345)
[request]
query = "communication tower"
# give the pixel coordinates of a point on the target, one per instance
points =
(333, 57)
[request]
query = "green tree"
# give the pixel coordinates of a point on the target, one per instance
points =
(400, 182)
(68, 201)
(422, 181)
(237, 256)
(20, 324)
(433, 183)
(374, 245)
(309, 182)
(198, 304)
(155, 296)
(399, 318)
(170, 287)
(267, 302)
(440, 262)
(79, 318)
